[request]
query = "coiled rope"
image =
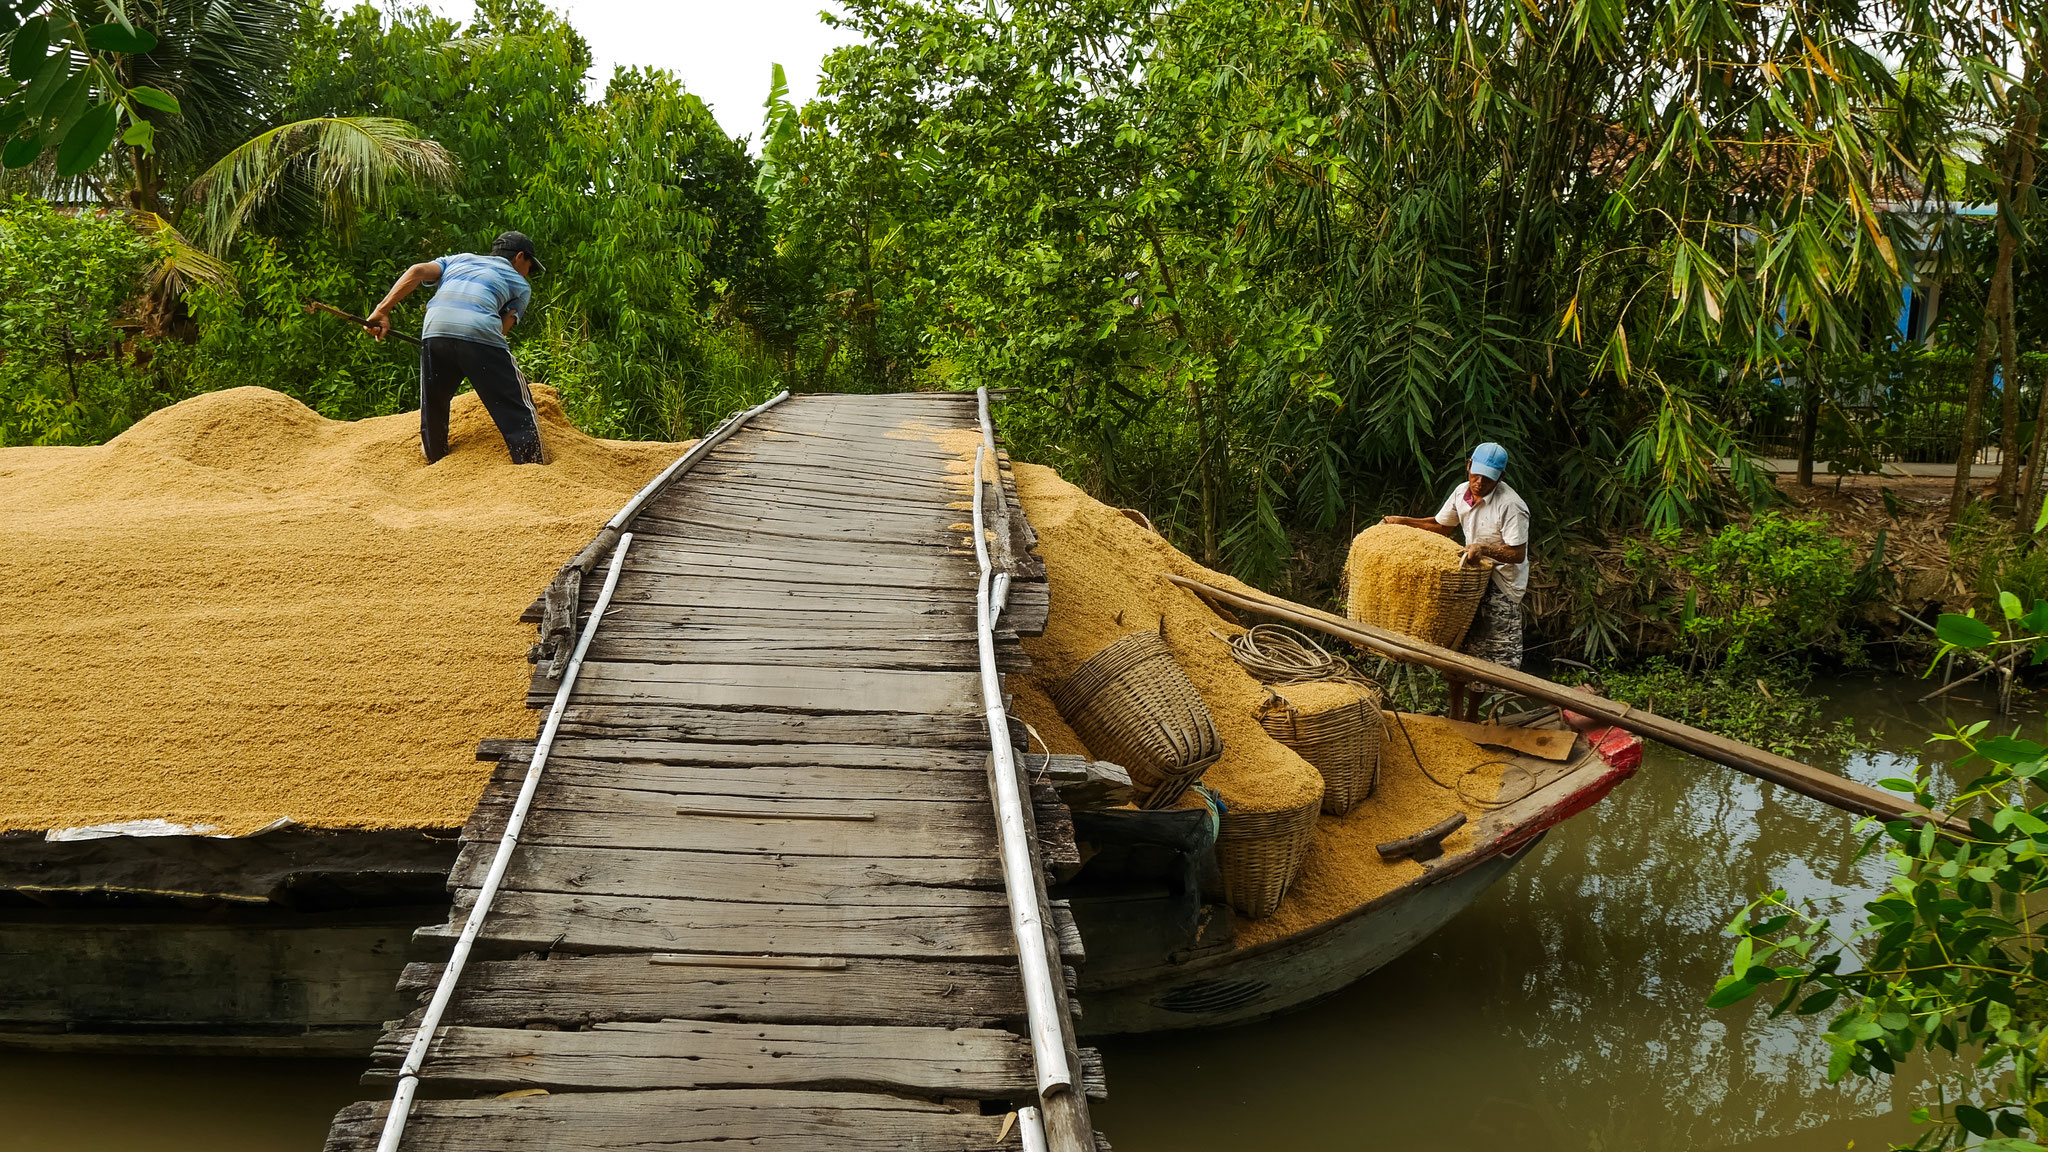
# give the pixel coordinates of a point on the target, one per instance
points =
(1277, 654)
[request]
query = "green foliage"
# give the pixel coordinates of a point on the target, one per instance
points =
(337, 169)
(1251, 267)
(1767, 706)
(66, 348)
(1950, 957)
(263, 336)
(1996, 555)
(69, 84)
(1778, 587)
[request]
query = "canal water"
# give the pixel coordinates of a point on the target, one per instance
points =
(1563, 1011)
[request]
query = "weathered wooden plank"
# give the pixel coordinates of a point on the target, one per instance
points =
(736, 876)
(875, 444)
(798, 456)
(815, 651)
(818, 568)
(653, 756)
(571, 816)
(830, 587)
(678, 1121)
(853, 630)
(1029, 607)
(1058, 849)
(805, 782)
(767, 599)
(785, 688)
(934, 535)
(661, 619)
(562, 921)
(743, 507)
(774, 558)
(678, 722)
(1083, 784)
(972, 1062)
(799, 482)
(733, 483)
(578, 991)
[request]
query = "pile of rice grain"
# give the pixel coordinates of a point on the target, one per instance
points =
(1412, 581)
(1108, 578)
(238, 611)
(1344, 869)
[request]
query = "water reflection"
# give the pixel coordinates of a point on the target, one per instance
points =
(1562, 1012)
(74, 1103)
(1565, 1010)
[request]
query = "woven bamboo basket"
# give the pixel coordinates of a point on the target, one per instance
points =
(1133, 705)
(1260, 854)
(1395, 580)
(1339, 735)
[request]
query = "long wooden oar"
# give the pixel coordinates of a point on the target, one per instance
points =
(313, 306)
(1826, 787)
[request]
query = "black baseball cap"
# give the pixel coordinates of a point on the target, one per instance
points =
(509, 242)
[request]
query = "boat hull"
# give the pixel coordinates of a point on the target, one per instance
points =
(1251, 984)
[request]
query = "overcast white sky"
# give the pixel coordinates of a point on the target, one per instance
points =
(721, 49)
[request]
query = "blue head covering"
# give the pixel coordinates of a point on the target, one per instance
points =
(1489, 460)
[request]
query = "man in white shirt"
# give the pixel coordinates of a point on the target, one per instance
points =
(1494, 520)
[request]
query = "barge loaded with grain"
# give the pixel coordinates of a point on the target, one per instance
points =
(267, 662)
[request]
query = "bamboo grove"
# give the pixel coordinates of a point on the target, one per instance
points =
(1262, 270)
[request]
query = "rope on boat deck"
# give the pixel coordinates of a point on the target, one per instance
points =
(1277, 654)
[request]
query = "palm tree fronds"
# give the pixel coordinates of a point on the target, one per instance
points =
(182, 264)
(341, 163)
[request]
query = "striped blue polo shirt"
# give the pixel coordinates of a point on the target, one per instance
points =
(474, 291)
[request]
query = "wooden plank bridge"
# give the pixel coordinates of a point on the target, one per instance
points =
(758, 897)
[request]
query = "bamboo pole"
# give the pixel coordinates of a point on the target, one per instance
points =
(1055, 1077)
(1061, 1122)
(1826, 787)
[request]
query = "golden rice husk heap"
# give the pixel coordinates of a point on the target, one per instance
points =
(1286, 865)
(239, 611)
(1412, 581)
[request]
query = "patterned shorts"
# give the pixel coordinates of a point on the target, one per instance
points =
(1496, 632)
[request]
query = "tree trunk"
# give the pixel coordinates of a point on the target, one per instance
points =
(2009, 404)
(2030, 488)
(1205, 465)
(2029, 123)
(2010, 499)
(1973, 404)
(1809, 423)
(2016, 175)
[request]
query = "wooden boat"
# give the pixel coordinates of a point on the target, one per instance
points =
(1153, 967)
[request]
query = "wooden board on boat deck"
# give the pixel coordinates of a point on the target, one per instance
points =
(759, 880)
(1549, 743)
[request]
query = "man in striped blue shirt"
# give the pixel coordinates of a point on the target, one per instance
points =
(476, 302)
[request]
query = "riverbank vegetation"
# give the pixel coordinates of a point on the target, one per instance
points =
(1262, 271)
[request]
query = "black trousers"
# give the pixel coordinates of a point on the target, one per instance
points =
(445, 362)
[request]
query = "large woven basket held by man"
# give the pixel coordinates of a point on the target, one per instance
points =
(1494, 522)
(477, 300)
